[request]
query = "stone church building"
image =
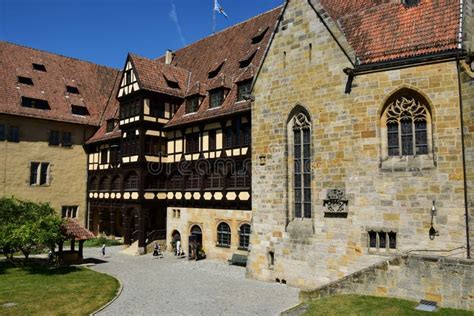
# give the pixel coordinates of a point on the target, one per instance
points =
(365, 102)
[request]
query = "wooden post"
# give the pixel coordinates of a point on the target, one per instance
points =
(81, 247)
(72, 244)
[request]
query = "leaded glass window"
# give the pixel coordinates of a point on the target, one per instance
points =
(407, 132)
(223, 235)
(302, 166)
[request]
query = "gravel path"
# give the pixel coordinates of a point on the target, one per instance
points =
(172, 286)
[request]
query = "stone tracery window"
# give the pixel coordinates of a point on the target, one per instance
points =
(301, 128)
(407, 127)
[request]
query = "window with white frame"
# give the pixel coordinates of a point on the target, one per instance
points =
(39, 173)
(69, 211)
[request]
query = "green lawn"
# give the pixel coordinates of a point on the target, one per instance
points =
(366, 305)
(39, 290)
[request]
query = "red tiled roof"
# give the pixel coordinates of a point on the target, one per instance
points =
(381, 30)
(111, 112)
(93, 81)
(152, 75)
(230, 46)
(73, 229)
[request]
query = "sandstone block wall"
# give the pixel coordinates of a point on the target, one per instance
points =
(304, 66)
(183, 219)
(447, 281)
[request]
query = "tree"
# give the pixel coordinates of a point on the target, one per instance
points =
(25, 226)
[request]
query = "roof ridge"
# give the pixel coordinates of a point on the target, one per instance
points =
(58, 55)
(226, 29)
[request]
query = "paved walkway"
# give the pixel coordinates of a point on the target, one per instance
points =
(172, 286)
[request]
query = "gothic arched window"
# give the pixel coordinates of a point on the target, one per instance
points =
(301, 139)
(407, 127)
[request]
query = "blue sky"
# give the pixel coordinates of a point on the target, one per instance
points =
(103, 31)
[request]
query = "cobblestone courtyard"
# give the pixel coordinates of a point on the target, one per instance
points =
(172, 286)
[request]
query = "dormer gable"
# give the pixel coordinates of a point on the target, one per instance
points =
(129, 82)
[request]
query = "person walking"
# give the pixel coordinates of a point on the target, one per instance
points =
(156, 249)
(178, 248)
(102, 250)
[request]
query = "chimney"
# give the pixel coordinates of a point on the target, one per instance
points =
(169, 56)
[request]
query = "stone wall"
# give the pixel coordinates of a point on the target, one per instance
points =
(446, 281)
(183, 219)
(304, 67)
(68, 165)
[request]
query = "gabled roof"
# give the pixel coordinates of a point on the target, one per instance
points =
(226, 48)
(387, 30)
(153, 75)
(94, 83)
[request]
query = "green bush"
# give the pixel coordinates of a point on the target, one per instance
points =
(99, 241)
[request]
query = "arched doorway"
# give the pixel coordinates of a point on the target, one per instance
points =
(195, 242)
(197, 233)
(175, 237)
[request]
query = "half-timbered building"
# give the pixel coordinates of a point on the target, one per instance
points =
(173, 160)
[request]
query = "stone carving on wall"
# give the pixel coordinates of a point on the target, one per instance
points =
(335, 203)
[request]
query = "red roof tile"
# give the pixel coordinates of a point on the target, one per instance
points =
(93, 81)
(380, 31)
(152, 75)
(73, 229)
(228, 48)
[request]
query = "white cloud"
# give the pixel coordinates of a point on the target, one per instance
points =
(173, 15)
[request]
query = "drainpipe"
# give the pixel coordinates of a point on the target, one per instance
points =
(466, 206)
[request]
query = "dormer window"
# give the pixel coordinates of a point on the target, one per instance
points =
(72, 90)
(244, 88)
(79, 110)
(192, 104)
(213, 73)
(247, 60)
(111, 123)
(259, 37)
(35, 103)
(39, 67)
(216, 98)
(171, 82)
(25, 80)
(411, 3)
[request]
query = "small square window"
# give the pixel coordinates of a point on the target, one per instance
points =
(67, 139)
(69, 211)
(39, 173)
(54, 138)
(72, 89)
(25, 80)
(244, 90)
(79, 110)
(192, 104)
(14, 134)
(216, 98)
(34, 103)
(110, 125)
(39, 67)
